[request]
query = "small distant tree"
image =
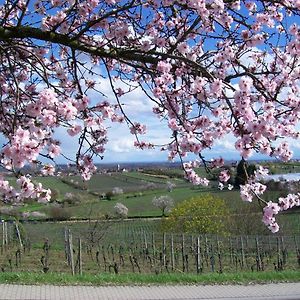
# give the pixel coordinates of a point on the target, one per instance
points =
(170, 186)
(243, 172)
(54, 195)
(121, 210)
(165, 203)
(117, 191)
(202, 214)
(150, 186)
(71, 199)
(109, 195)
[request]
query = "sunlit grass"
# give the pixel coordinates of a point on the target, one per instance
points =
(140, 279)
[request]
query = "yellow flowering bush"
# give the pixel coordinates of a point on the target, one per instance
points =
(204, 214)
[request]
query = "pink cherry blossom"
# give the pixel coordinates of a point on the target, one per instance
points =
(48, 170)
(138, 128)
(54, 150)
(74, 130)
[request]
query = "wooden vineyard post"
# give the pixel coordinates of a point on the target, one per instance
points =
(230, 251)
(70, 250)
(66, 246)
(212, 258)
(121, 256)
(79, 256)
(164, 250)
(219, 256)
(258, 258)
(206, 252)
(153, 245)
(198, 257)
(183, 252)
(4, 236)
(284, 251)
(242, 253)
(45, 256)
(3, 243)
(146, 250)
(172, 253)
(112, 251)
(18, 258)
(238, 254)
(18, 235)
(279, 266)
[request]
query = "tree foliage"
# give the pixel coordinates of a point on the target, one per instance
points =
(244, 171)
(208, 68)
(164, 202)
(121, 210)
(203, 214)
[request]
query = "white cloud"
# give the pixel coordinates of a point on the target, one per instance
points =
(121, 145)
(226, 144)
(133, 103)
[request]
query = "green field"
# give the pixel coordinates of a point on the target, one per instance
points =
(139, 188)
(283, 168)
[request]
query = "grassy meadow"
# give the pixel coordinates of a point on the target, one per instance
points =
(31, 278)
(95, 199)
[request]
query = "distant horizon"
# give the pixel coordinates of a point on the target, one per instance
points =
(179, 162)
(157, 162)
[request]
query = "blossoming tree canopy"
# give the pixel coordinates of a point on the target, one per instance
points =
(209, 68)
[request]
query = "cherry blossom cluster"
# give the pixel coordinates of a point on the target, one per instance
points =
(138, 128)
(27, 190)
(143, 145)
(87, 167)
(272, 209)
(290, 201)
(193, 177)
(251, 189)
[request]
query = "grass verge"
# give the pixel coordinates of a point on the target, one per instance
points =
(145, 279)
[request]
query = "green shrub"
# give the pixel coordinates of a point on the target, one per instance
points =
(109, 195)
(55, 194)
(203, 214)
(59, 214)
(71, 199)
(243, 171)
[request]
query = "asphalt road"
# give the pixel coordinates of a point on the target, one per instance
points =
(282, 291)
